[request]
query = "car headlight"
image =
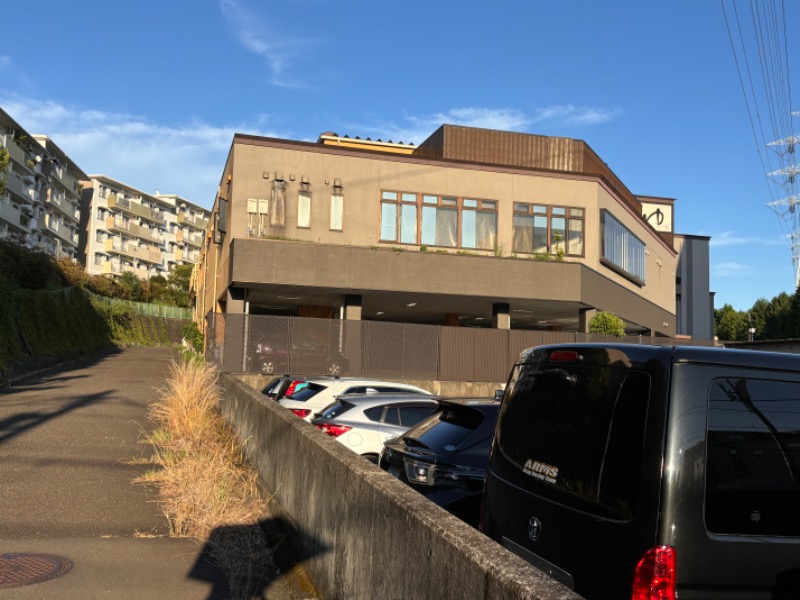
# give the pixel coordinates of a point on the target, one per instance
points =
(417, 472)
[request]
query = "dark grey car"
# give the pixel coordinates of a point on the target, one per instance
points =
(624, 470)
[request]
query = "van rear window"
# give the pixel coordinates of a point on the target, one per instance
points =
(753, 457)
(576, 433)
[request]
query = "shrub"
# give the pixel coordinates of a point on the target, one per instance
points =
(607, 323)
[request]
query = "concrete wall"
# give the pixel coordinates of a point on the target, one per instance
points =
(362, 533)
(455, 389)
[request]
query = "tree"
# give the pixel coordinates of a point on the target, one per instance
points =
(4, 159)
(176, 290)
(607, 323)
(131, 286)
(730, 324)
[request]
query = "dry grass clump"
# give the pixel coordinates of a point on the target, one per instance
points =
(207, 489)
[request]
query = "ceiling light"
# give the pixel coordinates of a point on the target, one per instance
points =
(479, 318)
(289, 297)
(411, 304)
(379, 313)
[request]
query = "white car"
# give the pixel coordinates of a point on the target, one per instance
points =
(320, 392)
(363, 422)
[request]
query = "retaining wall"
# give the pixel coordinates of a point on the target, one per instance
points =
(453, 389)
(360, 532)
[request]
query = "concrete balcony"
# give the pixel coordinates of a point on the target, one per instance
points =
(191, 238)
(16, 153)
(134, 208)
(66, 234)
(16, 186)
(62, 205)
(118, 225)
(11, 215)
(197, 222)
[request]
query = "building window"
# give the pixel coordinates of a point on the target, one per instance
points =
(621, 250)
(542, 229)
(445, 221)
(337, 212)
(440, 221)
(303, 209)
(399, 217)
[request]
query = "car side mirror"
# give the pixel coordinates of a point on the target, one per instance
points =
(498, 395)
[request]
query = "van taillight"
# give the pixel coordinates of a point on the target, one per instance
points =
(655, 576)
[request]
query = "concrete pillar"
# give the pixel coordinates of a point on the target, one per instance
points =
(501, 315)
(584, 316)
(352, 307)
(451, 320)
(236, 302)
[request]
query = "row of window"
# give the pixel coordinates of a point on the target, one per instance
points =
(458, 222)
(471, 223)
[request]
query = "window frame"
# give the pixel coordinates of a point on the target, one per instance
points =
(571, 214)
(628, 237)
(443, 202)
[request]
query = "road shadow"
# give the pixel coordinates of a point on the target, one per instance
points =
(258, 560)
(19, 423)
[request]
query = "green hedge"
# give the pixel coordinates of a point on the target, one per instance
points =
(36, 325)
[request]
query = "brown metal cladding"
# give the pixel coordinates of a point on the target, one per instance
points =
(522, 150)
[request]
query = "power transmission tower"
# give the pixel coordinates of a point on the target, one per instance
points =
(786, 208)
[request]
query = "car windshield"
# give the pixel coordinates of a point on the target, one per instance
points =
(309, 391)
(446, 430)
(337, 409)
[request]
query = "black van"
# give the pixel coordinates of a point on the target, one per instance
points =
(629, 471)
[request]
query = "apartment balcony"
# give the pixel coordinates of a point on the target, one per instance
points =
(134, 208)
(149, 254)
(21, 190)
(186, 219)
(118, 225)
(16, 153)
(13, 216)
(189, 237)
(64, 233)
(63, 206)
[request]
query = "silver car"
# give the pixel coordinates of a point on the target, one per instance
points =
(363, 422)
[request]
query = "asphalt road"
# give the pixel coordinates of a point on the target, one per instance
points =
(69, 444)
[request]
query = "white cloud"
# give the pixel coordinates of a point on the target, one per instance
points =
(729, 238)
(277, 49)
(731, 269)
(182, 159)
(417, 128)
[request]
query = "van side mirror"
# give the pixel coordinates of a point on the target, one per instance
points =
(498, 395)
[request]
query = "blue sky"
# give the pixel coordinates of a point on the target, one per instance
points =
(151, 94)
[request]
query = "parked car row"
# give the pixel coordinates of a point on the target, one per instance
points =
(403, 428)
(622, 471)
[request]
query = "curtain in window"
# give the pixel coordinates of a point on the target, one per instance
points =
(486, 230)
(523, 234)
(277, 213)
(446, 227)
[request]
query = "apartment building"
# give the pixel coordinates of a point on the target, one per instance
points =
(40, 206)
(127, 229)
(473, 227)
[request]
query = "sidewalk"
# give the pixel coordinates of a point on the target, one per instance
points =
(69, 450)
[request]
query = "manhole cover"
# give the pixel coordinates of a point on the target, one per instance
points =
(21, 569)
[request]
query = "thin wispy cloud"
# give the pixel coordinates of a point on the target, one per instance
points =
(729, 238)
(276, 49)
(731, 269)
(183, 159)
(416, 129)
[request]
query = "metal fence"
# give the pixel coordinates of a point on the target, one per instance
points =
(146, 309)
(269, 344)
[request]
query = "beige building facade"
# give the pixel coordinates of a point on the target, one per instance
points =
(128, 230)
(474, 227)
(39, 207)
